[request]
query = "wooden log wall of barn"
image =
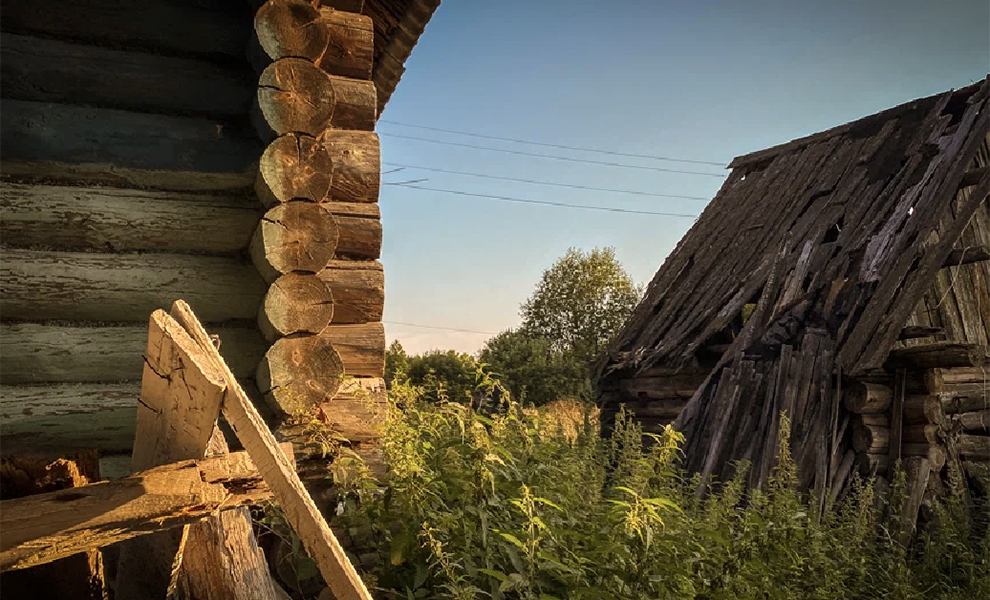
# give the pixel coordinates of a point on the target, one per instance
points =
(163, 150)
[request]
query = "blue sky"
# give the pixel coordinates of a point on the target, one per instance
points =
(699, 80)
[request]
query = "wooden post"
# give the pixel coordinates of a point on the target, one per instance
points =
(280, 475)
(896, 421)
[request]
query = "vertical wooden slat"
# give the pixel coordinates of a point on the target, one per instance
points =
(896, 420)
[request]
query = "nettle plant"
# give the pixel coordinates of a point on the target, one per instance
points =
(513, 504)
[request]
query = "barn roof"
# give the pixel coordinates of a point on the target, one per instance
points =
(398, 25)
(844, 229)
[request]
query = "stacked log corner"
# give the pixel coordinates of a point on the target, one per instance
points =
(318, 180)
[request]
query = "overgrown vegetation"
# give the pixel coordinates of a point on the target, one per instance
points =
(522, 503)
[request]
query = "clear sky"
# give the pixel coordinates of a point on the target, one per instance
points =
(700, 80)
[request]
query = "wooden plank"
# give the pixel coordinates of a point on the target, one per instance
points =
(45, 70)
(125, 148)
(69, 417)
(46, 527)
(212, 28)
(358, 290)
(36, 353)
(279, 474)
(965, 256)
(124, 287)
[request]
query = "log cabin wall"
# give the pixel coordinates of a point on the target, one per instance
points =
(131, 142)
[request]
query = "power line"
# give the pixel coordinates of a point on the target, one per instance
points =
(551, 156)
(559, 146)
(547, 203)
(441, 328)
(550, 183)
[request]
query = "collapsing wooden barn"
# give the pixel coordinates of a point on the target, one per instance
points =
(132, 135)
(842, 279)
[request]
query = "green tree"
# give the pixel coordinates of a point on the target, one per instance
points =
(396, 361)
(532, 371)
(580, 302)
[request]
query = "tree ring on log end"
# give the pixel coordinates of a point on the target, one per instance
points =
(294, 166)
(296, 96)
(295, 236)
(296, 303)
(299, 372)
(291, 28)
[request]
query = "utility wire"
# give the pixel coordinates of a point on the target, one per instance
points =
(559, 146)
(538, 182)
(437, 327)
(546, 203)
(551, 156)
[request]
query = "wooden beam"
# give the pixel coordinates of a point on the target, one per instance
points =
(294, 236)
(896, 422)
(358, 290)
(296, 303)
(35, 353)
(279, 474)
(973, 177)
(69, 417)
(125, 287)
(974, 447)
(125, 148)
(298, 373)
(355, 413)
(866, 397)
(939, 355)
(46, 527)
(965, 256)
(357, 165)
(214, 29)
(45, 70)
(912, 332)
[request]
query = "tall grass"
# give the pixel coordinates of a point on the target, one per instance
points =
(534, 505)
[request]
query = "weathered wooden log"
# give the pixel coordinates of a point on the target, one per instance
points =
(872, 464)
(340, 43)
(842, 474)
(295, 236)
(912, 332)
(123, 148)
(356, 158)
(46, 527)
(359, 237)
(864, 397)
(953, 404)
(978, 421)
(34, 353)
(354, 6)
(296, 303)
(358, 290)
(963, 381)
(915, 433)
(294, 167)
(300, 372)
(69, 417)
(279, 473)
(294, 95)
(870, 438)
(125, 220)
(939, 355)
(979, 476)
(668, 408)
(45, 70)
(355, 413)
(872, 420)
(361, 348)
(922, 409)
(973, 176)
(124, 287)
(965, 256)
(973, 447)
(673, 387)
(933, 452)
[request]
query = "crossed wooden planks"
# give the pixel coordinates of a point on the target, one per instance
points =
(186, 385)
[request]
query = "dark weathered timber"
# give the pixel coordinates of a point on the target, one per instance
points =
(912, 332)
(897, 427)
(177, 27)
(974, 447)
(37, 285)
(965, 256)
(939, 355)
(45, 70)
(125, 148)
(973, 176)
